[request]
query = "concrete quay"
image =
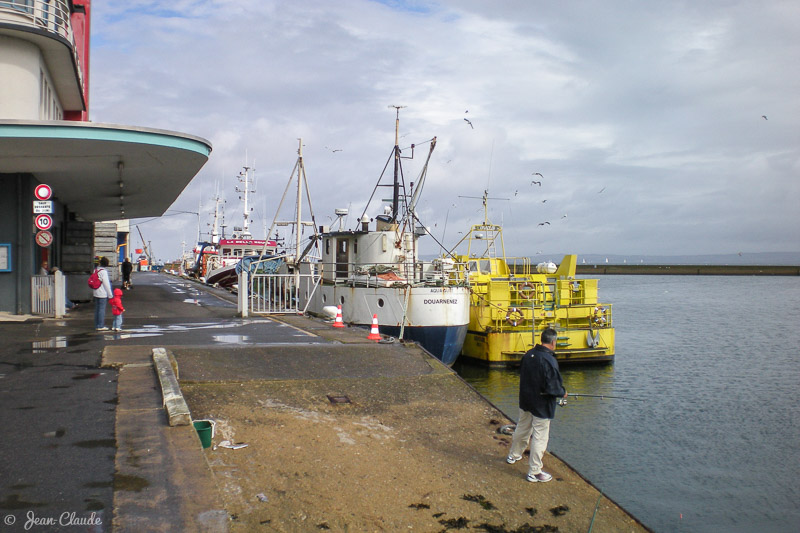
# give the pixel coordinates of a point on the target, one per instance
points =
(341, 433)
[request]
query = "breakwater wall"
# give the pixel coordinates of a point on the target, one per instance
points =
(691, 270)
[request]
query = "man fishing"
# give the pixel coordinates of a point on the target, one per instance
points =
(540, 387)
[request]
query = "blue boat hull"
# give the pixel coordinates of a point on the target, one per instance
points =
(443, 342)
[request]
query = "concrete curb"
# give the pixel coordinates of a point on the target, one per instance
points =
(177, 410)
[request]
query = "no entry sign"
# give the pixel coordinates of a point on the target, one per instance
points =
(44, 239)
(43, 192)
(43, 222)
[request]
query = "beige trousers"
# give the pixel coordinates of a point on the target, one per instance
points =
(537, 431)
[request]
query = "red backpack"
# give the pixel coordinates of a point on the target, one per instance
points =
(94, 280)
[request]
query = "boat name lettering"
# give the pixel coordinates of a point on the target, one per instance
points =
(429, 301)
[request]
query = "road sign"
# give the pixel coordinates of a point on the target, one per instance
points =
(44, 239)
(43, 192)
(43, 207)
(43, 222)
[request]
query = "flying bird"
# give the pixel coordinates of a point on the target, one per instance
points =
(470, 124)
(543, 223)
(601, 190)
(565, 215)
(539, 183)
(516, 193)
(537, 174)
(764, 117)
(545, 200)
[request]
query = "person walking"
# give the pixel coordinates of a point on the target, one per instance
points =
(117, 310)
(102, 294)
(540, 386)
(127, 268)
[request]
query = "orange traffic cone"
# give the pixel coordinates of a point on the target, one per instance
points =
(338, 322)
(374, 335)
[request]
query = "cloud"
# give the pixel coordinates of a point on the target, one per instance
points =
(659, 105)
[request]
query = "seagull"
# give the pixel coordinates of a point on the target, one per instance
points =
(516, 193)
(537, 174)
(764, 117)
(470, 124)
(543, 223)
(332, 150)
(565, 215)
(601, 190)
(543, 201)
(539, 183)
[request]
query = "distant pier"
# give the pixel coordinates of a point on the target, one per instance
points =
(691, 270)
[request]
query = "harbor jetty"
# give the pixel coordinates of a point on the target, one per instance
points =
(690, 270)
(312, 428)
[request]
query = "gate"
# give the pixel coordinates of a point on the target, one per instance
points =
(48, 295)
(272, 294)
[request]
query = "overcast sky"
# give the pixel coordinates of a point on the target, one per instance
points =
(663, 128)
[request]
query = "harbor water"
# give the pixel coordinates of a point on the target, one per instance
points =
(714, 444)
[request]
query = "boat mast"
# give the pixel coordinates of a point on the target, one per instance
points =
(298, 220)
(244, 177)
(396, 187)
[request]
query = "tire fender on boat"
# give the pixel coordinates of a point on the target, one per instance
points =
(514, 316)
(525, 291)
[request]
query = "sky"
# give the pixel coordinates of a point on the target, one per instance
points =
(664, 128)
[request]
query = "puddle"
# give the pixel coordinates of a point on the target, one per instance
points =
(231, 339)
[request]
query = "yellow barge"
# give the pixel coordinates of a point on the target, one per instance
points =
(512, 302)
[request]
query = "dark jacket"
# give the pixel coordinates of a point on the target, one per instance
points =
(540, 383)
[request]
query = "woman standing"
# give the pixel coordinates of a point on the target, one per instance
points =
(102, 295)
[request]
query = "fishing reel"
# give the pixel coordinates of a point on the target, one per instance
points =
(562, 402)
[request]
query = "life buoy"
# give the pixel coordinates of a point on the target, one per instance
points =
(599, 316)
(514, 316)
(525, 291)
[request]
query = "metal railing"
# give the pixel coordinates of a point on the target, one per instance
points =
(49, 15)
(280, 293)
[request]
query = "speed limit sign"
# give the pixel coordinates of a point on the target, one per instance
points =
(43, 222)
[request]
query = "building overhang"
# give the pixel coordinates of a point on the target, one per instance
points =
(103, 171)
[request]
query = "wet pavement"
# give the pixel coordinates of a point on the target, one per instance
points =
(59, 405)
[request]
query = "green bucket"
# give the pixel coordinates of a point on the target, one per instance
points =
(204, 430)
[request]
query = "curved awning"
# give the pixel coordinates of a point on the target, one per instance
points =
(84, 163)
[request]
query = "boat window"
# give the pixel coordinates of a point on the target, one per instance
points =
(327, 246)
(380, 302)
(483, 266)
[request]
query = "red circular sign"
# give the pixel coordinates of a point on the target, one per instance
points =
(44, 239)
(43, 192)
(43, 222)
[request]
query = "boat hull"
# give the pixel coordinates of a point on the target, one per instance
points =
(444, 342)
(505, 349)
(435, 317)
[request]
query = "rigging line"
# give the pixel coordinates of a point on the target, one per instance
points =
(604, 396)
(378, 184)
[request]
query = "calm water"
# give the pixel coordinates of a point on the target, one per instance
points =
(715, 445)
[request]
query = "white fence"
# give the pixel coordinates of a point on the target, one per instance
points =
(49, 295)
(271, 294)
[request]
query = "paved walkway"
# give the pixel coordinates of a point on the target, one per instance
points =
(88, 440)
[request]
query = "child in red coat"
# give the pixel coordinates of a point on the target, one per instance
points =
(117, 310)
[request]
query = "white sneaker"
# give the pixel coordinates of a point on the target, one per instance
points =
(511, 459)
(541, 477)
(102, 329)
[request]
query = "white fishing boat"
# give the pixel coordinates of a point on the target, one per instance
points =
(375, 271)
(220, 267)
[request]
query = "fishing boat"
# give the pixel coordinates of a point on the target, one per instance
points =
(512, 301)
(374, 271)
(220, 267)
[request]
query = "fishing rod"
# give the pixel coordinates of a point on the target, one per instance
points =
(563, 401)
